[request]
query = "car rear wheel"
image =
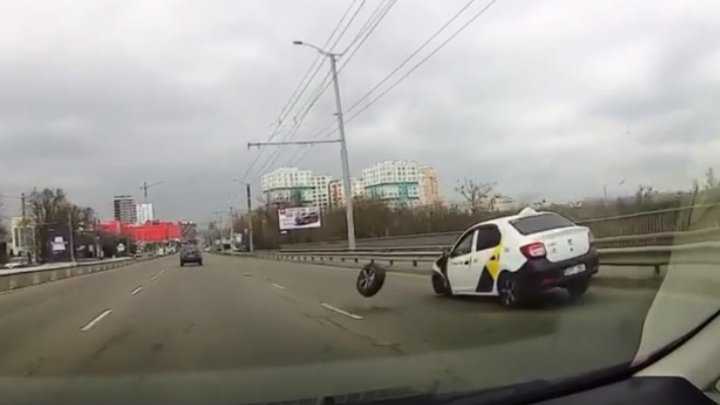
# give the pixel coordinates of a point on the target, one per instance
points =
(182, 264)
(509, 290)
(200, 263)
(577, 288)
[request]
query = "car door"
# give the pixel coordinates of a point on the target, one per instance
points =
(459, 263)
(486, 258)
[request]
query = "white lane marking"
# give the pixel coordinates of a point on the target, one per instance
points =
(7, 292)
(97, 319)
(153, 278)
(278, 286)
(135, 291)
(340, 311)
(161, 272)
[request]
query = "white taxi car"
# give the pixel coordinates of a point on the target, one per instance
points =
(517, 258)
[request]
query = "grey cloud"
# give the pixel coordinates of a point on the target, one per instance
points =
(536, 96)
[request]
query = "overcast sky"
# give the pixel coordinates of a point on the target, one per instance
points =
(551, 98)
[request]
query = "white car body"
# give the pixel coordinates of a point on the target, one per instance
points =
(517, 248)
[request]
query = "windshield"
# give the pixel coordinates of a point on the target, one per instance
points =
(540, 223)
(271, 200)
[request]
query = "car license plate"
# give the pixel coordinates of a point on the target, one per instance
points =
(574, 270)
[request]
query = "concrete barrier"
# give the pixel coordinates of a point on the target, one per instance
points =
(24, 277)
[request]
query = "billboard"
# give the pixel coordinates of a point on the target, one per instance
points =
(298, 218)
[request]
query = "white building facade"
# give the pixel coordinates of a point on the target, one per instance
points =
(401, 183)
(145, 213)
(297, 187)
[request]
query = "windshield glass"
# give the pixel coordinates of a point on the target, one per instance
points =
(265, 200)
(540, 223)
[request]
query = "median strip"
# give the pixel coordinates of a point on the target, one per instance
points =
(95, 321)
(340, 311)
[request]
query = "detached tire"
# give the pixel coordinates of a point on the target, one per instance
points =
(370, 280)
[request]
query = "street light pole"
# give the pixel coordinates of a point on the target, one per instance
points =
(251, 242)
(347, 187)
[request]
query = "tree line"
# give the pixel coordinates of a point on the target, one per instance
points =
(479, 202)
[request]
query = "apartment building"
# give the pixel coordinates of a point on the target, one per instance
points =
(299, 187)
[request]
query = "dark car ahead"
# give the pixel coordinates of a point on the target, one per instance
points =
(190, 254)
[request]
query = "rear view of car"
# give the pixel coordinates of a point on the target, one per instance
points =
(558, 253)
(190, 254)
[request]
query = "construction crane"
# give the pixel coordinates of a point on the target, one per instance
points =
(146, 186)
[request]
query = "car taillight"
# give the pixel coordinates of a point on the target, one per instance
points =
(533, 250)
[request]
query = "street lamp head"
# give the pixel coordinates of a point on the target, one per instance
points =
(297, 42)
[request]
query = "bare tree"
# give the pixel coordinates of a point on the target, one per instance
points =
(476, 195)
(711, 182)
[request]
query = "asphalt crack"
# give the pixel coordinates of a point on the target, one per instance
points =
(394, 347)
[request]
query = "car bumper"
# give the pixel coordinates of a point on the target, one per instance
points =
(191, 259)
(542, 274)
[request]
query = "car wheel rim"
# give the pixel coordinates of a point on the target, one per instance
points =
(367, 277)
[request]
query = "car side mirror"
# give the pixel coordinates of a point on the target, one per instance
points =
(446, 252)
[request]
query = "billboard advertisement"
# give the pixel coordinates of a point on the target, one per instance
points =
(298, 218)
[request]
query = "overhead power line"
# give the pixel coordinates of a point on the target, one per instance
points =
(301, 87)
(424, 59)
(412, 55)
(417, 65)
(361, 36)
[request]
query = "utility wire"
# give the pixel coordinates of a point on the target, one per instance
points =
(324, 83)
(297, 93)
(412, 55)
(371, 24)
(425, 59)
(416, 66)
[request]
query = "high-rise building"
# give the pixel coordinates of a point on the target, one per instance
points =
(145, 213)
(401, 183)
(429, 188)
(125, 209)
(296, 187)
(337, 191)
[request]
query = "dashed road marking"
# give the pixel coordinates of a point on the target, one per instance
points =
(340, 311)
(135, 291)
(153, 278)
(278, 286)
(95, 321)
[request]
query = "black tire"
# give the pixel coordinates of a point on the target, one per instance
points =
(576, 289)
(509, 290)
(200, 263)
(440, 286)
(370, 280)
(182, 264)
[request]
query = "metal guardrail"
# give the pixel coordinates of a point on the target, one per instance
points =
(650, 239)
(694, 218)
(646, 256)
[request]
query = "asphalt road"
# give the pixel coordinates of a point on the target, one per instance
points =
(238, 330)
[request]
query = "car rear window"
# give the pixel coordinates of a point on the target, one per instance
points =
(540, 223)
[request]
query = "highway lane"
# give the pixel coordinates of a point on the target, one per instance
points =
(292, 322)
